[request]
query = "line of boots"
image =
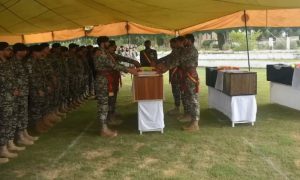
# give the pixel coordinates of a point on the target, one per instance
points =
(11, 149)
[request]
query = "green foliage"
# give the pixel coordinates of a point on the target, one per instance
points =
(238, 39)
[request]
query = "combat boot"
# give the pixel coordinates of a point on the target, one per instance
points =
(27, 136)
(6, 154)
(106, 132)
(174, 111)
(12, 147)
(40, 127)
(193, 126)
(184, 118)
(47, 121)
(55, 117)
(22, 140)
(4, 160)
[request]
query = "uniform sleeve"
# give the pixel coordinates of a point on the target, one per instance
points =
(191, 56)
(102, 62)
(125, 59)
(172, 60)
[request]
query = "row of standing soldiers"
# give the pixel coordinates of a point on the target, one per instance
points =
(38, 86)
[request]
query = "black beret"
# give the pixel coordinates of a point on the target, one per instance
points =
(19, 47)
(73, 45)
(44, 45)
(35, 48)
(3, 45)
(55, 45)
(102, 39)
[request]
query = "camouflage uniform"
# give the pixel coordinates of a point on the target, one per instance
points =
(65, 82)
(118, 81)
(57, 67)
(21, 110)
(37, 82)
(187, 60)
(104, 65)
(72, 77)
(7, 86)
(51, 82)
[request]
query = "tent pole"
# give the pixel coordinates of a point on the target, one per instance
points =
(247, 40)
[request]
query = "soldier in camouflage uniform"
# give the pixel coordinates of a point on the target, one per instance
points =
(73, 76)
(21, 108)
(8, 92)
(66, 82)
(38, 100)
(187, 59)
(103, 65)
(57, 66)
(50, 117)
(117, 80)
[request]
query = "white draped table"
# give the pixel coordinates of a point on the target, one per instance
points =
(285, 95)
(240, 109)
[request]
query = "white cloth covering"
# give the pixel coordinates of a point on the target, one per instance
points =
(285, 95)
(151, 115)
(240, 109)
(296, 79)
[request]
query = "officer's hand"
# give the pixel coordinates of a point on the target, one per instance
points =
(137, 64)
(160, 68)
(41, 93)
(133, 71)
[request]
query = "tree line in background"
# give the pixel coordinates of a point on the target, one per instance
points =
(230, 39)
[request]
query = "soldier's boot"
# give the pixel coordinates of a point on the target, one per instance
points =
(48, 121)
(59, 113)
(64, 108)
(174, 111)
(27, 136)
(106, 132)
(12, 147)
(4, 152)
(191, 127)
(54, 117)
(22, 140)
(4, 160)
(184, 118)
(41, 127)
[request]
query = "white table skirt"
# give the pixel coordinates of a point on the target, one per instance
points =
(151, 115)
(240, 109)
(285, 95)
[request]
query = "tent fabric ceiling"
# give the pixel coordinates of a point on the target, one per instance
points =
(33, 21)
(255, 18)
(36, 16)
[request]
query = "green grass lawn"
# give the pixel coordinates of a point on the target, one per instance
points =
(73, 149)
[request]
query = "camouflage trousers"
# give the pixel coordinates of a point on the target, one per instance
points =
(192, 98)
(37, 109)
(178, 96)
(91, 83)
(101, 91)
(112, 101)
(6, 119)
(21, 112)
